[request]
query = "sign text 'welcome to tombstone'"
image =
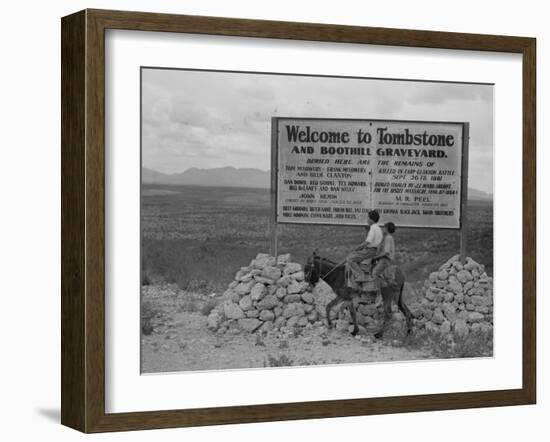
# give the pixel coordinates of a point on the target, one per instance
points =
(333, 171)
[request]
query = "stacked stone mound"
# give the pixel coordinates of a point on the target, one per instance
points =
(269, 293)
(457, 298)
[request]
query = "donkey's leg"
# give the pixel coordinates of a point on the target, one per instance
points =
(405, 310)
(330, 305)
(353, 317)
(386, 296)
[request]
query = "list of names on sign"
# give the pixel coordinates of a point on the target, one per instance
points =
(334, 171)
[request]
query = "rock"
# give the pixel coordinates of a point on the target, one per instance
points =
(232, 296)
(245, 303)
(294, 287)
(367, 309)
(438, 317)
(302, 322)
(264, 281)
(278, 311)
(214, 320)
(431, 327)
(252, 313)
(292, 298)
(268, 302)
(475, 317)
(308, 298)
(280, 292)
(244, 287)
(294, 309)
(280, 322)
(486, 328)
(477, 300)
(451, 261)
(461, 328)
(283, 259)
(433, 276)
(232, 310)
(429, 295)
(298, 276)
(342, 325)
(457, 266)
(459, 298)
(322, 295)
(258, 292)
(284, 281)
(233, 285)
(308, 307)
(272, 273)
(443, 274)
(292, 321)
(313, 316)
(249, 324)
(455, 286)
(449, 312)
(243, 276)
(292, 267)
(464, 276)
(445, 327)
(263, 260)
(267, 326)
(449, 297)
(267, 315)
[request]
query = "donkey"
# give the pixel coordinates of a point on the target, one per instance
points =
(334, 274)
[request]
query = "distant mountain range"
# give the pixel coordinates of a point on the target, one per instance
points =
(218, 177)
(474, 194)
(233, 177)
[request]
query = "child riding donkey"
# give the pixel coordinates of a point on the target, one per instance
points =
(365, 251)
(378, 248)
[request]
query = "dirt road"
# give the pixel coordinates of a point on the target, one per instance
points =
(180, 341)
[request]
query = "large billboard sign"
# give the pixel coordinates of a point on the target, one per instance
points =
(334, 171)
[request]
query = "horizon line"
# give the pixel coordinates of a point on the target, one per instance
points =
(244, 168)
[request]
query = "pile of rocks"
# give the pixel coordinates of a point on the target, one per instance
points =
(458, 297)
(269, 293)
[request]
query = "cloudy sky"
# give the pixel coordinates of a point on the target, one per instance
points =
(215, 119)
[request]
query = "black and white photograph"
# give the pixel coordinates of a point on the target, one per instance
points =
(251, 221)
(303, 220)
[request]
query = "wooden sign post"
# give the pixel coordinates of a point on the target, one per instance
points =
(273, 227)
(464, 193)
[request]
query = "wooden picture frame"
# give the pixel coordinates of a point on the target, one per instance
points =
(83, 220)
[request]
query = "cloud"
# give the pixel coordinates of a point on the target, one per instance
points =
(213, 119)
(441, 93)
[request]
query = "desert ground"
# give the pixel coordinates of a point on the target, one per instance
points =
(194, 240)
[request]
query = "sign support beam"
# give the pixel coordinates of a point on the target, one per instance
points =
(464, 193)
(273, 226)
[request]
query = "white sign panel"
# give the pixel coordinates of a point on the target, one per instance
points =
(334, 171)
